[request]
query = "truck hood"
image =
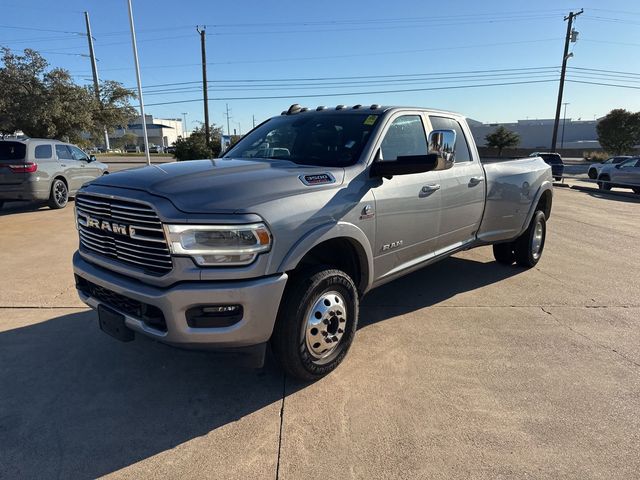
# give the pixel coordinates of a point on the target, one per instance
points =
(223, 185)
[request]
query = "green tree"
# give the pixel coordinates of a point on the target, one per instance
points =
(619, 131)
(195, 145)
(502, 138)
(127, 138)
(45, 102)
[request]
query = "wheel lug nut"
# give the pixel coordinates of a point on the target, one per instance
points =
(328, 340)
(338, 313)
(332, 313)
(325, 321)
(340, 330)
(324, 334)
(335, 339)
(342, 320)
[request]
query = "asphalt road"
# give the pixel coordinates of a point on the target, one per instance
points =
(465, 369)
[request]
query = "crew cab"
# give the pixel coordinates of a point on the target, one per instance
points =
(277, 241)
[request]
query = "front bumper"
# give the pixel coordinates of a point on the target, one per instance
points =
(259, 298)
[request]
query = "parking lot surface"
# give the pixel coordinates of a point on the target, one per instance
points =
(465, 369)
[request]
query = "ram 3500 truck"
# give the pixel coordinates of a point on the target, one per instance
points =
(278, 240)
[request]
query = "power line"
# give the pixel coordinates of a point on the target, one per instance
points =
(342, 94)
(41, 29)
(400, 75)
(605, 84)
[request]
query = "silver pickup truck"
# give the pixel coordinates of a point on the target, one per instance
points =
(277, 241)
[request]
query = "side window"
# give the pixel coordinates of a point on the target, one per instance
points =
(405, 137)
(63, 152)
(462, 148)
(77, 153)
(43, 151)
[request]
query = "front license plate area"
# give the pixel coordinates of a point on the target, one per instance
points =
(112, 323)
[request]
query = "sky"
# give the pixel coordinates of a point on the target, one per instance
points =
(493, 61)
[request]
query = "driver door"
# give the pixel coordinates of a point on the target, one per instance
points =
(407, 206)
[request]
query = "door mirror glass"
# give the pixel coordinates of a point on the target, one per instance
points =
(442, 145)
(92, 158)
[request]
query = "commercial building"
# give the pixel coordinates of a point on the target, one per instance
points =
(160, 131)
(537, 134)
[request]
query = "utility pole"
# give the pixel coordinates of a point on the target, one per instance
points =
(254, 120)
(94, 70)
(227, 115)
(239, 128)
(205, 90)
(570, 37)
(137, 66)
(564, 119)
(184, 125)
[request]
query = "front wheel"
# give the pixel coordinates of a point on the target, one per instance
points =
(59, 196)
(528, 247)
(316, 323)
(604, 183)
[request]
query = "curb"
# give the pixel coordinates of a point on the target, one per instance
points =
(605, 192)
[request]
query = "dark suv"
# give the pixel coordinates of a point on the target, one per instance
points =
(553, 159)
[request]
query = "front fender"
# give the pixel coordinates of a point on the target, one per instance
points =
(328, 232)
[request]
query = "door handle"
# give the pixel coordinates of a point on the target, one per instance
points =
(473, 181)
(63, 165)
(430, 188)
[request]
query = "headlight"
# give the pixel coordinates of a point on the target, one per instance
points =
(219, 244)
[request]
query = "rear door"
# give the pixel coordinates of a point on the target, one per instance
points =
(462, 187)
(70, 167)
(12, 160)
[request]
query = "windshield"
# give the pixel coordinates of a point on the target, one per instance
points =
(12, 150)
(319, 139)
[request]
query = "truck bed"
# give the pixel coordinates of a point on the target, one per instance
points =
(512, 187)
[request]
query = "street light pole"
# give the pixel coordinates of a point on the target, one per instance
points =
(564, 119)
(94, 71)
(137, 66)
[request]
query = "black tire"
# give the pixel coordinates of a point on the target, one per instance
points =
(593, 173)
(603, 183)
(290, 339)
(59, 196)
(503, 253)
(527, 255)
(1, 204)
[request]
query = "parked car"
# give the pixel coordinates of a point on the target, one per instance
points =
(553, 159)
(132, 149)
(594, 168)
(170, 149)
(622, 175)
(39, 169)
(244, 250)
(153, 148)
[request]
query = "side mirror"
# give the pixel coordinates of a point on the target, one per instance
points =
(92, 158)
(442, 144)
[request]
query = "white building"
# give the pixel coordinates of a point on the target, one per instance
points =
(537, 133)
(161, 131)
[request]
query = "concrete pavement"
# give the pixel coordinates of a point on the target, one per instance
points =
(464, 369)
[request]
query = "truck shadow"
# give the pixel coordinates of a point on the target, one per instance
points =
(75, 403)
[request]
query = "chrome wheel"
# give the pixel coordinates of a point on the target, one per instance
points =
(325, 324)
(536, 241)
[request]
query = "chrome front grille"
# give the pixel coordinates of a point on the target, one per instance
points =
(123, 230)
